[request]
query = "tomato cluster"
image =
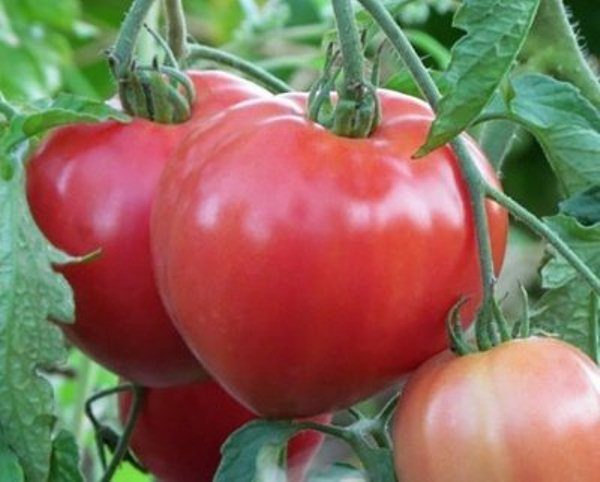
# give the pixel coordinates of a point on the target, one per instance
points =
(304, 272)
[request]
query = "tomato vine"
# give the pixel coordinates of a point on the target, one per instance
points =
(519, 68)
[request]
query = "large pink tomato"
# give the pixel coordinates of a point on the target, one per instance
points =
(525, 411)
(91, 187)
(180, 431)
(308, 271)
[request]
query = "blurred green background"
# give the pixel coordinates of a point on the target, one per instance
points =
(47, 46)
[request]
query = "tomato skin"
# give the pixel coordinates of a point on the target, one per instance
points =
(180, 431)
(91, 186)
(308, 271)
(527, 410)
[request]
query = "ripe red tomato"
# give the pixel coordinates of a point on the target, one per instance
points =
(527, 410)
(180, 431)
(308, 271)
(90, 187)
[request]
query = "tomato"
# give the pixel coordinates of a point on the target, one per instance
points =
(308, 271)
(180, 430)
(91, 187)
(527, 410)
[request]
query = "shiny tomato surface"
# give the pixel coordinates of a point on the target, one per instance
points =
(525, 411)
(180, 431)
(91, 187)
(308, 271)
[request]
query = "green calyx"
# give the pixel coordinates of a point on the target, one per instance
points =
(356, 112)
(356, 115)
(151, 94)
(157, 93)
(491, 327)
(160, 93)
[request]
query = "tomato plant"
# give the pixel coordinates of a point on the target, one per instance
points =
(293, 247)
(91, 187)
(180, 431)
(526, 410)
(306, 243)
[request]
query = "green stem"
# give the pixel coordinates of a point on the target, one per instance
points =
(124, 47)
(145, 48)
(407, 53)
(357, 111)
(469, 170)
(355, 439)
(352, 55)
(388, 409)
(475, 184)
(202, 52)
(594, 329)
(552, 48)
(176, 29)
(545, 232)
(331, 430)
(123, 445)
(371, 463)
(89, 412)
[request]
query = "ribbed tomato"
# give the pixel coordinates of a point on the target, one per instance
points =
(180, 431)
(527, 410)
(308, 271)
(91, 187)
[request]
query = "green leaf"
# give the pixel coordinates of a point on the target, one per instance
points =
(10, 469)
(47, 114)
(31, 293)
(496, 30)
(68, 109)
(566, 125)
(563, 310)
(555, 45)
(584, 206)
(64, 465)
(250, 451)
